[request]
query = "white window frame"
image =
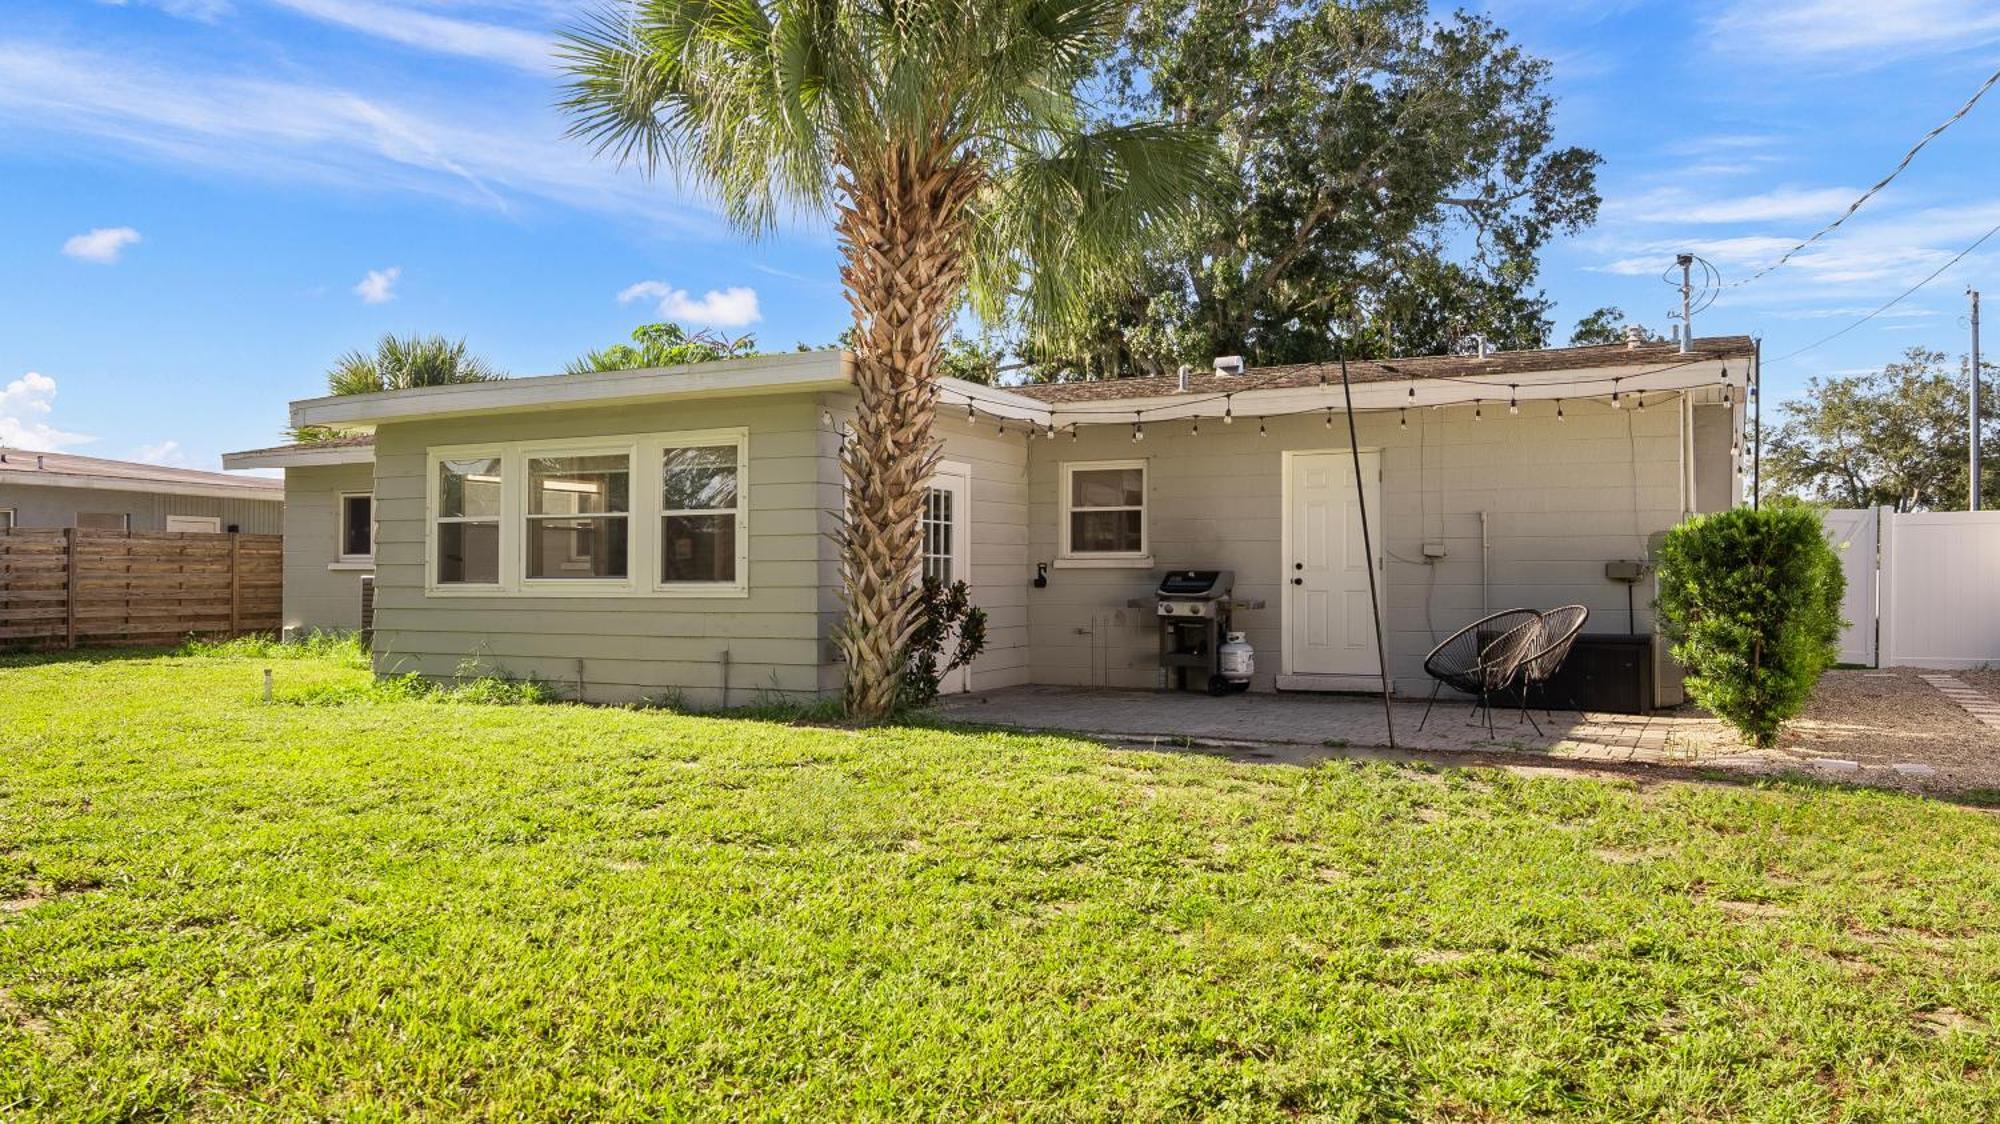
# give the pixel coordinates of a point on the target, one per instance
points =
(740, 438)
(7, 519)
(528, 451)
(211, 524)
(645, 512)
(342, 557)
(1068, 556)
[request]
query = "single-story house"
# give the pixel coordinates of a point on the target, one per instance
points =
(52, 490)
(667, 532)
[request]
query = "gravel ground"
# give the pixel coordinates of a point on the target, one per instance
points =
(1885, 718)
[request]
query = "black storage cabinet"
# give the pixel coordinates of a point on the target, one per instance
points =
(1609, 672)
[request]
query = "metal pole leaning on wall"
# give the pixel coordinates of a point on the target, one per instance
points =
(1367, 544)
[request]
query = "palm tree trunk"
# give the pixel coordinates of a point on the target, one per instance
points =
(902, 231)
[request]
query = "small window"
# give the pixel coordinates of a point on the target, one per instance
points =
(468, 521)
(6, 518)
(578, 508)
(700, 514)
(357, 527)
(195, 524)
(1104, 510)
(103, 521)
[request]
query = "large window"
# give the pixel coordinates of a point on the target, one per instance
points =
(660, 515)
(468, 521)
(357, 527)
(576, 519)
(1104, 511)
(699, 513)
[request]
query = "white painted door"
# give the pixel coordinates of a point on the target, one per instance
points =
(1329, 621)
(945, 524)
(1852, 532)
(194, 523)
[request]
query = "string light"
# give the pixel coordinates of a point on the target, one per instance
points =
(1614, 395)
(970, 413)
(1513, 399)
(1476, 414)
(1559, 409)
(1138, 433)
(1073, 428)
(1052, 431)
(1001, 429)
(1261, 431)
(1641, 399)
(1329, 417)
(1194, 428)
(1228, 412)
(1403, 419)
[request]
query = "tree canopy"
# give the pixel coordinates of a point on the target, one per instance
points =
(1387, 176)
(1896, 438)
(664, 345)
(402, 362)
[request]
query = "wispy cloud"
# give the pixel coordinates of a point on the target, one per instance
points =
(25, 406)
(727, 308)
(1675, 205)
(440, 34)
(207, 11)
(102, 245)
(379, 287)
(244, 126)
(1866, 30)
(167, 453)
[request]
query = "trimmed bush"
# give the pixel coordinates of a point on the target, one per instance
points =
(1751, 603)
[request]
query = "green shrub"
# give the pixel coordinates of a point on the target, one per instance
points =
(1751, 602)
(945, 614)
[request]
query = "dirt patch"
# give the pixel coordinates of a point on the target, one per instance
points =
(11, 1011)
(24, 903)
(1754, 911)
(1878, 720)
(1941, 1021)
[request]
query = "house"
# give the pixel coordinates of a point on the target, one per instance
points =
(47, 490)
(667, 532)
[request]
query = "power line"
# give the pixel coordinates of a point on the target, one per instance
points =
(1898, 299)
(1881, 183)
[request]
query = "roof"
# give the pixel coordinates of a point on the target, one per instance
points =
(1497, 365)
(354, 448)
(66, 470)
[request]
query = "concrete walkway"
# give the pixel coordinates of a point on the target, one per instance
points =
(1973, 700)
(1342, 721)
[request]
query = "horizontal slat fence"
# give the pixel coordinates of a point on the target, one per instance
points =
(64, 588)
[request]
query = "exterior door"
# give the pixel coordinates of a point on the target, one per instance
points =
(1329, 621)
(945, 523)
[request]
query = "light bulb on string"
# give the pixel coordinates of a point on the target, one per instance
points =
(1403, 419)
(1513, 399)
(1228, 411)
(1559, 409)
(1329, 417)
(1477, 415)
(1641, 400)
(1194, 428)
(1073, 428)
(1138, 433)
(1615, 404)
(971, 415)
(1261, 431)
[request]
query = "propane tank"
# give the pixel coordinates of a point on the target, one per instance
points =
(1236, 660)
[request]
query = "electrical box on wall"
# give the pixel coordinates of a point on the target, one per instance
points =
(1434, 550)
(1628, 572)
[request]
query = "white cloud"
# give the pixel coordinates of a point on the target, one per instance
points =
(25, 405)
(1672, 205)
(487, 155)
(102, 245)
(1869, 30)
(379, 286)
(168, 453)
(443, 35)
(206, 11)
(728, 308)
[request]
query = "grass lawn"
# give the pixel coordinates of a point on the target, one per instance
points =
(349, 903)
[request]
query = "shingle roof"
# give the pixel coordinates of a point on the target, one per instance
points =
(22, 466)
(1499, 365)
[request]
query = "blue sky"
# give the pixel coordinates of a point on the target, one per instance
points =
(204, 202)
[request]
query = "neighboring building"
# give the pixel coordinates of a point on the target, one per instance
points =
(646, 533)
(52, 490)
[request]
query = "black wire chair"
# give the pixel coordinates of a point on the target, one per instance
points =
(1483, 658)
(1560, 628)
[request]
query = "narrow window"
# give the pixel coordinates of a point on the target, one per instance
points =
(103, 521)
(578, 509)
(700, 514)
(6, 518)
(1105, 510)
(468, 521)
(937, 530)
(357, 527)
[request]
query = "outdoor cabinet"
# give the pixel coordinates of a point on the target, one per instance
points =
(1608, 672)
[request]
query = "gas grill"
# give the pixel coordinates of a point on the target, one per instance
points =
(1193, 610)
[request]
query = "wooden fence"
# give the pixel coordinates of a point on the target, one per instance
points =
(63, 588)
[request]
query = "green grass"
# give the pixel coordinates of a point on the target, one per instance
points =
(384, 907)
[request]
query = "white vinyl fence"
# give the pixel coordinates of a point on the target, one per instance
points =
(1923, 589)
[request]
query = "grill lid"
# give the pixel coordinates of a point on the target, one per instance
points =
(1196, 584)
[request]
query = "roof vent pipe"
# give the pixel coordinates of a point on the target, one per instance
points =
(38, 460)
(1635, 336)
(1184, 378)
(1229, 365)
(1485, 347)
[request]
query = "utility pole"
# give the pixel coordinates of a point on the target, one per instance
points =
(1686, 262)
(1974, 491)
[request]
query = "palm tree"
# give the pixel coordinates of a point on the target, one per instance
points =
(949, 141)
(398, 364)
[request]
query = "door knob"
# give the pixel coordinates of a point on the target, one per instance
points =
(1298, 581)
(1298, 565)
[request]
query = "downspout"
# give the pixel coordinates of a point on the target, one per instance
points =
(1485, 608)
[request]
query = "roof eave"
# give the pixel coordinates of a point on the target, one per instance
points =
(244, 491)
(300, 458)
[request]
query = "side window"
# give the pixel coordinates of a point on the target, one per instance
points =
(357, 526)
(701, 514)
(468, 521)
(1104, 510)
